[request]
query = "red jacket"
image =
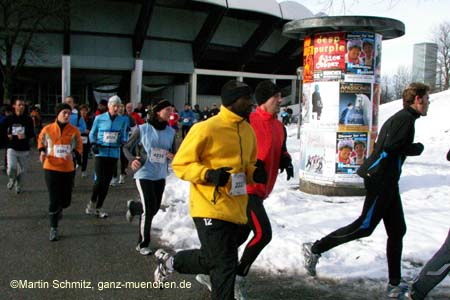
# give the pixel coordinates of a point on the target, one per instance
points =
(270, 136)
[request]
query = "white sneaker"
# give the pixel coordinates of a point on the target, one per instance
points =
(164, 266)
(128, 215)
(121, 179)
(239, 288)
(113, 181)
(310, 259)
(101, 213)
(204, 280)
(145, 251)
(90, 208)
(84, 174)
(18, 188)
(10, 184)
(396, 291)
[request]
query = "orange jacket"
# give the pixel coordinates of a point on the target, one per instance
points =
(56, 143)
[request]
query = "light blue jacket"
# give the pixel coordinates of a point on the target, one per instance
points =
(108, 135)
(77, 122)
(154, 143)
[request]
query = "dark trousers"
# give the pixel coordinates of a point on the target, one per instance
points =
(216, 257)
(434, 271)
(184, 130)
(59, 185)
(123, 164)
(85, 156)
(104, 169)
(259, 224)
(151, 192)
(382, 202)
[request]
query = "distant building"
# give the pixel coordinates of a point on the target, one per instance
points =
(424, 64)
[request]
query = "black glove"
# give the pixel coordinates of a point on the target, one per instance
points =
(219, 177)
(448, 155)
(260, 174)
(95, 149)
(286, 164)
(77, 157)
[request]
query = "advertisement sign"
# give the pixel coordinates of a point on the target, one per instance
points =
(329, 50)
(308, 60)
(351, 151)
(360, 55)
(355, 106)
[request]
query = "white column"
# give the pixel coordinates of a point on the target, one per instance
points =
(65, 77)
(136, 82)
(193, 88)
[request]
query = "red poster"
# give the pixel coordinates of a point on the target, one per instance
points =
(329, 51)
(308, 60)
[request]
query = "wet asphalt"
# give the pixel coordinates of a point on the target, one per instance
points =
(96, 258)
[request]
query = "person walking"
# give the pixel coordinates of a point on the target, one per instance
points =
(58, 144)
(434, 271)
(19, 130)
(155, 143)
(218, 157)
(108, 133)
(381, 173)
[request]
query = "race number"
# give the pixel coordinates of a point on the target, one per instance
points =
(61, 151)
(158, 155)
(238, 184)
(110, 137)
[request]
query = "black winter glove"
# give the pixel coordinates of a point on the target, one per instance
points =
(219, 177)
(260, 174)
(95, 149)
(448, 155)
(286, 164)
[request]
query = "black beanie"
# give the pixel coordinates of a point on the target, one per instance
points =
(159, 105)
(233, 90)
(264, 90)
(62, 106)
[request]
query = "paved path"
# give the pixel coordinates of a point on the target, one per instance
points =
(95, 259)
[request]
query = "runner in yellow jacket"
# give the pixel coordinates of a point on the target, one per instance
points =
(218, 157)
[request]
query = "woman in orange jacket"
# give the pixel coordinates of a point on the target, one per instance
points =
(58, 143)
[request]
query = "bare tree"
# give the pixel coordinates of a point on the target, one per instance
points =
(392, 86)
(441, 36)
(20, 20)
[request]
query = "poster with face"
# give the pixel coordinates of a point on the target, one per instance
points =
(359, 58)
(351, 151)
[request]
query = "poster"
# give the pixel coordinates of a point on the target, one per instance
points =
(324, 103)
(360, 55)
(351, 151)
(355, 106)
(308, 60)
(317, 157)
(329, 50)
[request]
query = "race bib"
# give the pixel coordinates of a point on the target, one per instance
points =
(60, 151)
(17, 129)
(84, 139)
(185, 120)
(158, 155)
(110, 137)
(238, 184)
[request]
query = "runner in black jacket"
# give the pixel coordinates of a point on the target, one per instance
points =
(381, 173)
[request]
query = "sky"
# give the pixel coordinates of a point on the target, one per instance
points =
(297, 217)
(419, 17)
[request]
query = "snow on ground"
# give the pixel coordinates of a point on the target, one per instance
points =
(298, 217)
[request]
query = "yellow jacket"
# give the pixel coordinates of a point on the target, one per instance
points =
(225, 140)
(53, 140)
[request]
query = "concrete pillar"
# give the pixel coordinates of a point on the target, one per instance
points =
(136, 82)
(65, 77)
(193, 88)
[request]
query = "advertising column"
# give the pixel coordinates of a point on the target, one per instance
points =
(339, 106)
